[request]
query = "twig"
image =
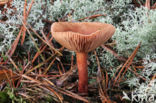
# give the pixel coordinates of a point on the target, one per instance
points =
(40, 83)
(137, 74)
(46, 42)
(32, 39)
(120, 58)
(92, 17)
(25, 15)
(58, 66)
(66, 76)
(39, 65)
(24, 21)
(127, 64)
(38, 53)
(7, 74)
(66, 92)
(29, 9)
(14, 44)
(100, 77)
(13, 63)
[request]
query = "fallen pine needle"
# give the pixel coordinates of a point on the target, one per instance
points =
(126, 65)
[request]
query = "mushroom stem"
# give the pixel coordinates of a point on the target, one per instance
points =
(83, 72)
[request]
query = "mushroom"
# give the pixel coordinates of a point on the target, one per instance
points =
(82, 37)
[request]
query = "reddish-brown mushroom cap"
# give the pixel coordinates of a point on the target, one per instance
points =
(81, 36)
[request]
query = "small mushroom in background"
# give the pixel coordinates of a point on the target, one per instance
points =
(82, 37)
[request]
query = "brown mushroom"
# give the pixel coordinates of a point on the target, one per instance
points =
(82, 37)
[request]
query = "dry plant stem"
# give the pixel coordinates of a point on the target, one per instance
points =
(83, 72)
